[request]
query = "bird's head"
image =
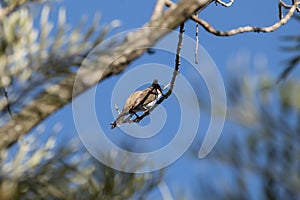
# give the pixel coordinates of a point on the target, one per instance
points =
(155, 85)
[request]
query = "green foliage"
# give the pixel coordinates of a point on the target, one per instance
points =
(27, 51)
(294, 48)
(263, 143)
(39, 170)
(32, 56)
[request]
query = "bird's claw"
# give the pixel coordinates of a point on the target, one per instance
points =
(137, 120)
(113, 125)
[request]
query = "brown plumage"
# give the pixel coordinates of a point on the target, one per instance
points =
(139, 101)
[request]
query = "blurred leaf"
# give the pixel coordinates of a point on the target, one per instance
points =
(294, 61)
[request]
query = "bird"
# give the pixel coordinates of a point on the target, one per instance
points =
(139, 101)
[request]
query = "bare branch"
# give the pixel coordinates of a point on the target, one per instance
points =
(175, 73)
(171, 84)
(286, 6)
(280, 11)
(7, 101)
(158, 9)
(225, 4)
(244, 29)
(197, 43)
(177, 61)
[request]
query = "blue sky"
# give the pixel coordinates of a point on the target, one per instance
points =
(248, 50)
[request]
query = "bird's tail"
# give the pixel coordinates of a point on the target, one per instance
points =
(121, 119)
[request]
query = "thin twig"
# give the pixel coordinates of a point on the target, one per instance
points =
(286, 6)
(280, 11)
(158, 9)
(7, 101)
(197, 45)
(244, 29)
(177, 60)
(239, 30)
(172, 83)
(225, 4)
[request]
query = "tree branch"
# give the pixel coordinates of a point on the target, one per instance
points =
(244, 29)
(135, 44)
(197, 43)
(7, 104)
(175, 73)
(286, 6)
(158, 9)
(225, 4)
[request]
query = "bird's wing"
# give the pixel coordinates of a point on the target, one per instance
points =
(135, 99)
